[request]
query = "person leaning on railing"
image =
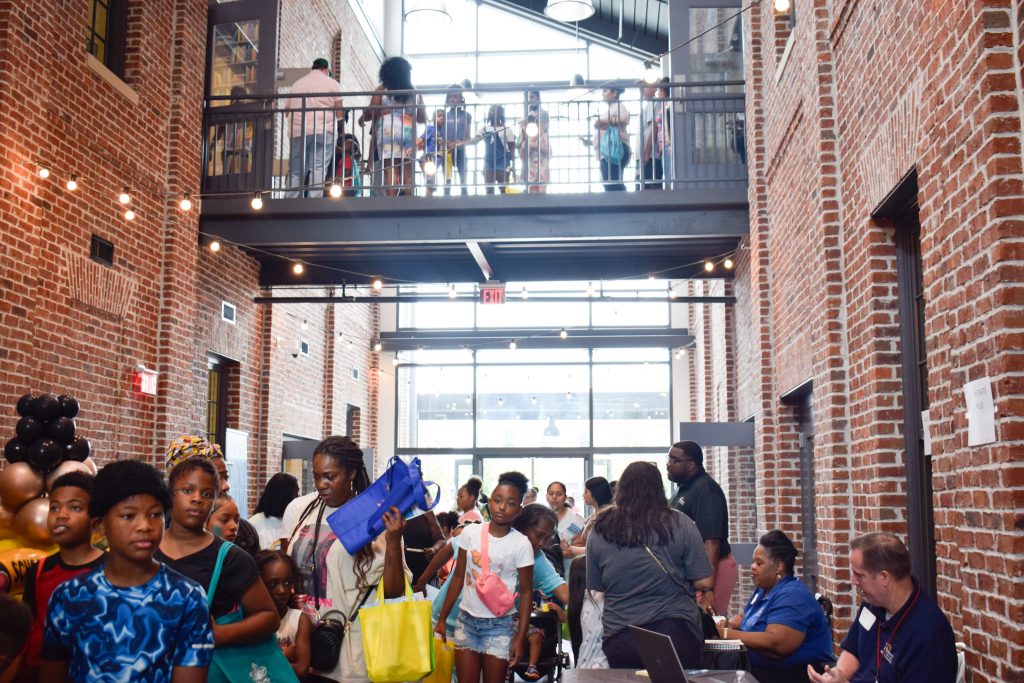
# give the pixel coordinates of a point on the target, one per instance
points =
(313, 129)
(534, 150)
(395, 115)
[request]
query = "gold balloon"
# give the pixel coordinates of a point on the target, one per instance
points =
(66, 467)
(91, 464)
(19, 483)
(30, 523)
(6, 523)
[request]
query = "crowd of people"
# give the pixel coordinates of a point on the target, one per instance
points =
(403, 137)
(157, 578)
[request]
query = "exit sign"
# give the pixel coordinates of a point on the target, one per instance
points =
(492, 294)
(147, 380)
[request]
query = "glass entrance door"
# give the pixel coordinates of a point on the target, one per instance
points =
(541, 471)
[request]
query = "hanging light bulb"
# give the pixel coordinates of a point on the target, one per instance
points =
(129, 215)
(427, 14)
(569, 10)
(430, 167)
(679, 354)
(563, 334)
(377, 285)
(257, 202)
(728, 264)
(395, 361)
(186, 202)
(305, 325)
(525, 294)
(334, 190)
(709, 266)
(72, 183)
(125, 195)
(298, 268)
(532, 129)
(44, 172)
(377, 346)
(672, 294)
(215, 246)
(568, 395)
(512, 345)
(651, 73)
(590, 289)
(782, 6)
(451, 292)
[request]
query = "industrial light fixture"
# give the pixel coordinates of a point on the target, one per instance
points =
(569, 10)
(427, 13)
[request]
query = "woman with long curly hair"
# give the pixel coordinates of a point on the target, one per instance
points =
(649, 561)
(395, 111)
(329, 577)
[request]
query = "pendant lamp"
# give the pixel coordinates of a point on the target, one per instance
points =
(427, 13)
(569, 10)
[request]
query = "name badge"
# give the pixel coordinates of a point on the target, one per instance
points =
(866, 619)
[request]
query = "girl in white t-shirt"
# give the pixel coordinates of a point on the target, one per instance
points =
(279, 575)
(486, 642)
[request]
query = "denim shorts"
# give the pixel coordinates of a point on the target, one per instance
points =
(491, 636)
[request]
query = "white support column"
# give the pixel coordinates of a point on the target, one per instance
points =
(394, 11)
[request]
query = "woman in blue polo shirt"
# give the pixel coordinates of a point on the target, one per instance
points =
(783, 626)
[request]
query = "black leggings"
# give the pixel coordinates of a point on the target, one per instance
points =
(620, 649)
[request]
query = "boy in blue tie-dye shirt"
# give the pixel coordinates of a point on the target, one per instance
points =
(134, 619)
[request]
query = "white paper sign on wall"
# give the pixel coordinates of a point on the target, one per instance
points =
(981, 412)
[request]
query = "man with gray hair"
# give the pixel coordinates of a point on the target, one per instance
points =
(899, 634)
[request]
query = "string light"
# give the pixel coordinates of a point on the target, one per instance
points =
(298, 268)
(672, 294)
(72, 183)
(512, 345)
(215, 246)
(334, 190)
(782, 6)
(679, 354)
(728, 264)
(709, 266)
(125, 195)
(430, 167)
(395, 361)
(451, 292)
(257, 201)
(377, 285)
(186, 202)
(590, 289)
(305, 325)
(532, 129)
(44, 172)
(377, 346)
(525, 294)
(563, 334)
(651, 74)
(129, 215)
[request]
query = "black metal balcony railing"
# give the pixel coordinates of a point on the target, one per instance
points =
(283, 146)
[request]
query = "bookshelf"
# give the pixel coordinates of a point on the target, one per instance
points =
(235, 57)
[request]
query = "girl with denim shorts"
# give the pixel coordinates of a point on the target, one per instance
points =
(486, 642)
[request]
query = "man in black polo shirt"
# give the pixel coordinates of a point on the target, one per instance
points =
(702, 499)
(899, 635)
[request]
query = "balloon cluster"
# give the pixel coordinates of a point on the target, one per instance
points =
(45, 448)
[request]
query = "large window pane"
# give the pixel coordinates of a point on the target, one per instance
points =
(716, 48)
(458, 36)
(543, 66)
(439, 315)
(631, 405)
(540, 472)
(442, 71)
(504, 31)
(485, 356)
(611, 466)
(435, 407)
(533, 314)
(449, 472)
(533, 406)
(631, 356)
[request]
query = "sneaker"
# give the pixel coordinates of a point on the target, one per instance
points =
(532, 674)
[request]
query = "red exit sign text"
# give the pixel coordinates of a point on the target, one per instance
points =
(491, 294)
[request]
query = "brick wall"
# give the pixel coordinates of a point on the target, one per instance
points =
(71, 325)
(863, 93)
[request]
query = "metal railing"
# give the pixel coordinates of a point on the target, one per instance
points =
(482, 141)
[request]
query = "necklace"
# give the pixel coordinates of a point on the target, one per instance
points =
(887, 650)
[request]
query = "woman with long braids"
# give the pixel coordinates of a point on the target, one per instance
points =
(329, 577)
(649, 560)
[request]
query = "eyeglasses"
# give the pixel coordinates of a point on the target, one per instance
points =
(678, 460)
(188, 492)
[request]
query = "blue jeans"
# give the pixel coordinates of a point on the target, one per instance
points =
(312, 155)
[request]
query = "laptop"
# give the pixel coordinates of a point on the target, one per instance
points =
(660, 657)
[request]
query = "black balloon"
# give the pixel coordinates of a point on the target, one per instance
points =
(68, 405)
(61, 430)
(47, 407)
(29, 429)
(44, 454)
(26, 405)
(15, 450)
(79, 449)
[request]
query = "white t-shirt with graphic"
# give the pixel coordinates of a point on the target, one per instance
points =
(508, 555)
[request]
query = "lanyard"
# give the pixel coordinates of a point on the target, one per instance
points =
(888, 642)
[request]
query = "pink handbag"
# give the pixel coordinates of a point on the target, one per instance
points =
(489, 587)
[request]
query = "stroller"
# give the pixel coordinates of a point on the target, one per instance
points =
(552, 659)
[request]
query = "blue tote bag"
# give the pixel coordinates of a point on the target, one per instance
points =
(360, 520)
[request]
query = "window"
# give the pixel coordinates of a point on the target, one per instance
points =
(107, 28)
(216, 400)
